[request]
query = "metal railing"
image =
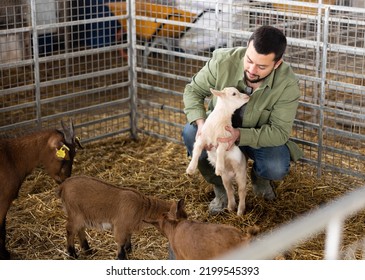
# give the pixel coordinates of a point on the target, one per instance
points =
(330, 218)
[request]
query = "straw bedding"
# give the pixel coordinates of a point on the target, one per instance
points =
(36, 221)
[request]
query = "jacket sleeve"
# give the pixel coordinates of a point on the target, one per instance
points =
(199, 89)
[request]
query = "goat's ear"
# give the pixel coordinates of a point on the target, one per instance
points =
(60, 149)
(215, 92)
(78, 142)
(180, 209)
(181, 204)
(63, 152)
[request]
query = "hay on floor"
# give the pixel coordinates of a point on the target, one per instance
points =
(36, 221)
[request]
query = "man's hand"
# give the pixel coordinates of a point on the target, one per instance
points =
(230, 140)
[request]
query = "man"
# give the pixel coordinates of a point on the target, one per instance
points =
(262, 127)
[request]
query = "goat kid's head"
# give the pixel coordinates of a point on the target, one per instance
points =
(173, 217)
(64, 146)
(176, 214)
(232, 97)
(177, 211)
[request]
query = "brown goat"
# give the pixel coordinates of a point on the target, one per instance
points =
(52, 149)
(93, 203)
(194, 240)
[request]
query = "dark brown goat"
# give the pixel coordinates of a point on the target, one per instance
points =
(92, 203)
(194, 240)
(52, 149)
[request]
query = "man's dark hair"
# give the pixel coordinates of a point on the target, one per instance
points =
(268, 39)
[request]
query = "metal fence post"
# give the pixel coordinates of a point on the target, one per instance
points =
(37, 82)
(132, 62)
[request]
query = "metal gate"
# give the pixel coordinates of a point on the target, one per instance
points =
(121, 67)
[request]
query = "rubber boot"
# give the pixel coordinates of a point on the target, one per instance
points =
(262, 187)
(219, 203)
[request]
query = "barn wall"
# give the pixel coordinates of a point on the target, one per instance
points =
(124, 70)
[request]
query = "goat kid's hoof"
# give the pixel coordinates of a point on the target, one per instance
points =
(89, 252)
(190, 171)
(232, 208)
(240, 212)
(72, 253)
(241, 209)
(73, 257)
(219, 171)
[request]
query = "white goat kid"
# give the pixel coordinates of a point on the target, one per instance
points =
(229, 164)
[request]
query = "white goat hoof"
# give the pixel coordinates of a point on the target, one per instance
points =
(232, 207)
(218, 172)
(190, 170)
(240, 212)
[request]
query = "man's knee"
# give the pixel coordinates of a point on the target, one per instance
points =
(272, 170)
(188, 135)
(271, 163)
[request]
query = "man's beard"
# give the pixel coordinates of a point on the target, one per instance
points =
(256, 80)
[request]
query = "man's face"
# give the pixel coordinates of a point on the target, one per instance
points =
(258, 66)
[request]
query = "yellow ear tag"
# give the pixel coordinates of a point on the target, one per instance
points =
(61, 152)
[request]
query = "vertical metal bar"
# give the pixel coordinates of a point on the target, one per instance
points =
(318, 55)
(67, 36)
(132, 62)
(316, 89)
(333, 239)
(323, 89)
(217, 29)
(37, 81)
(229, 39)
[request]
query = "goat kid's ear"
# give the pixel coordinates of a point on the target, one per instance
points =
(63, 152)
(180, 209)
(78, 142)
(181, 204)
(215, 92)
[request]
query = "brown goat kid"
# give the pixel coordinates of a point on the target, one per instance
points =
(93, 203)
(53, 149)
(193, 240)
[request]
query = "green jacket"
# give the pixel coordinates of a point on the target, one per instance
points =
(269, 114)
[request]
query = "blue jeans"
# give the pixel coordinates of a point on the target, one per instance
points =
(271, 163)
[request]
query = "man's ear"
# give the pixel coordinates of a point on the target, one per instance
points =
(278, 63)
